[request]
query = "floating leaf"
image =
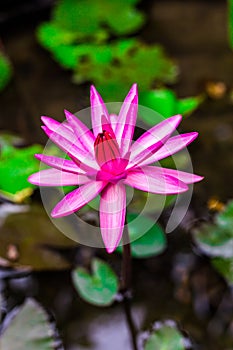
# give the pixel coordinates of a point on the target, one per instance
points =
(147, 238)
(224, 267)
(29, 330)
(30, 240)
(217, 239)
(165, 337)
(16, 165)
(165, 102)
(98, 288)
(5, 71)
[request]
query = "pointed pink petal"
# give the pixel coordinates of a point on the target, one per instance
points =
(76, 199)
(144, 180)
(54, 177)
(62, 129)
(87, 160)
(187, 178)
(112, 215)
(152, 140)
(83, 134)
(98, 109)
(173, 145)
(60, 163)
(127, 119)
(113, 120)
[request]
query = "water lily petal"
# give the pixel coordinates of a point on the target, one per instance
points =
(87, 161)
(127, 119)
(98, 109)
(144, 180)
(187, 178)
(173, 145)
(62, 129)
(112, 215)
(84, 135)
(55, 177)
(113, 120)
(76, 199)
(60, 163)
(152, 140)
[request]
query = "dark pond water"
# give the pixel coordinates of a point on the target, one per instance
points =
(180, 284)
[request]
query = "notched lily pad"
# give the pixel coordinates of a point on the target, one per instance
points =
(29, 330)
(147, 238)
(29, 240)
(98, 287)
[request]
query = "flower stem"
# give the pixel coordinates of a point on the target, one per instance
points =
(126, 286)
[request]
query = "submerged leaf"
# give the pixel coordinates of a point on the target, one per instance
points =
(98, 288)
(29, 330)
(29, 240)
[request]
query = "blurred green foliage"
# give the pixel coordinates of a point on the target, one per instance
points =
(165, 102)
(5, 71)
(90, 39)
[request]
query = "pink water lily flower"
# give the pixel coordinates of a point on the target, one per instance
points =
(106, 160)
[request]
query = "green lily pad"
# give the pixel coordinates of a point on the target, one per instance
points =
(30, 240)
(151, 243)
(99, 287)
(29, 329)
(5, 71)
(224, 267)
(16, 165)
(165, 102)
(217, 239)
(166, 337)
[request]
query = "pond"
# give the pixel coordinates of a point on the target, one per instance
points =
(179, 284)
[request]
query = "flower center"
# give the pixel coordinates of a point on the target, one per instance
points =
(106, 148)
